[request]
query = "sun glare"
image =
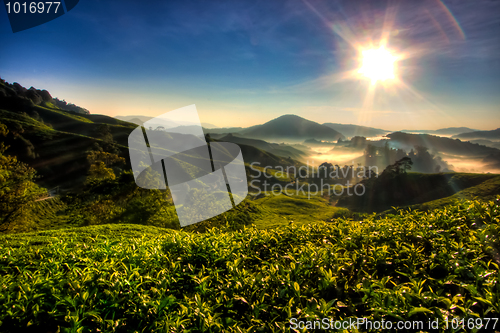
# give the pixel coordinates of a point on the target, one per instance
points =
(377, 65)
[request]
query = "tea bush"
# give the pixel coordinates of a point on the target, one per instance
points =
(441, 264)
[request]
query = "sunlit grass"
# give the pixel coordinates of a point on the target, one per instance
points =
(277, 210)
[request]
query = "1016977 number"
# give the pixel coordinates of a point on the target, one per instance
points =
(472, 323)
(32, 7)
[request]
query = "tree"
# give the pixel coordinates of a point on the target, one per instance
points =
(399, 166)
(405, 164)
(100, 163)
(424, 161)
(324, 169)
(387, 153)
(370, 155)
(104, 133)
(17, 187)
(108, 158)
(108, 143)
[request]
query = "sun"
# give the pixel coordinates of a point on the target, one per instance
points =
(377, 65)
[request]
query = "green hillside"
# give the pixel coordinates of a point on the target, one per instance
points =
(273, 148)
(412, 188)
(279, 210)
(55, 142)
(486, 190)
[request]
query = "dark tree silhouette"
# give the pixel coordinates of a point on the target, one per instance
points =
(400, 166)
(405, 164)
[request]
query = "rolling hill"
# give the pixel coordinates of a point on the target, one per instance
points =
(52, 140)
(491, 135)
(273, 148)
(420, 190)
(440, 144)
(487, 143)
(292, 127)
(356, 130)
(225, 130)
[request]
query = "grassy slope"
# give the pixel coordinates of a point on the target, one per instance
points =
(61, 149)
(486, 190)
(127, 278)
(49, 214)
(279, 150)
(278, 210)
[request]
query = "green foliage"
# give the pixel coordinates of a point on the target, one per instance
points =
(400, 166)
(100, 170)
(17, 187)
(410, 266)
(46, 215)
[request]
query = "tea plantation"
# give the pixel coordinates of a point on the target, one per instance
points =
(415, 266)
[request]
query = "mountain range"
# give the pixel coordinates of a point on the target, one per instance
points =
(274, 148)
(293, 128)
(356, 130)
(491, 135)
(440, 144)
(443, 131)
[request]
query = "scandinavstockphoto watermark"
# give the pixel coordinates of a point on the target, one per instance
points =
(204, 178)
(365, 324)
(309, 180)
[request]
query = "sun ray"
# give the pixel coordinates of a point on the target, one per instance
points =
(364, 115)
(389, 19)
(382, 66)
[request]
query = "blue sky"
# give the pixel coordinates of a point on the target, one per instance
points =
(244, 63)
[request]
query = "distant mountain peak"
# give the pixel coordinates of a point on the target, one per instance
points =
(290, 116)
(290, 126)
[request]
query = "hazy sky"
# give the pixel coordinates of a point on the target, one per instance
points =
(244, 63)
